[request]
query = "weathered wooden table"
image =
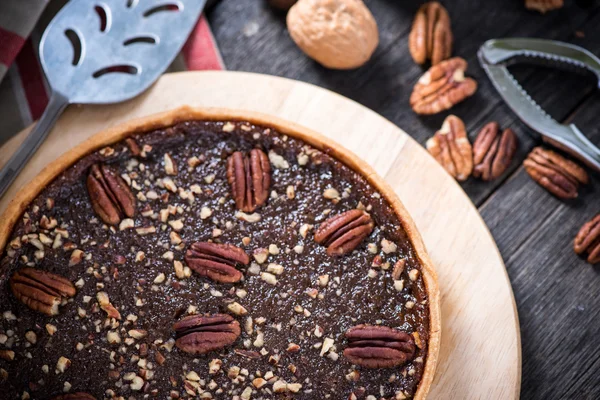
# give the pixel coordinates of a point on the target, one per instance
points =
(556, 292)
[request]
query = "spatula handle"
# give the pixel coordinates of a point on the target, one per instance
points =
(32, 142)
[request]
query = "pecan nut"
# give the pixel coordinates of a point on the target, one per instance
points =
(587, 240)
(553, 172)
(450, 146)
(216, 261)
(430, 36)
(493, 152)
(74, 396)
(378, 346)
(250, 178)
(111, 198)
(40, 290)
(344, 232)
(543, 6)
(200, 334)
(133, 146)
(442, 86)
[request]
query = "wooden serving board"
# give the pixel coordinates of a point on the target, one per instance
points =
(480, 356)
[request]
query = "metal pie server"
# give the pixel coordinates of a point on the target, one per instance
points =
(494, 57)
(101, 52)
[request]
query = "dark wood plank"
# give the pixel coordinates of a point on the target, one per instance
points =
(558, 309)
(556, 291)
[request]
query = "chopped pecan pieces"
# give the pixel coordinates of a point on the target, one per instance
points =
(7, 355)
(553, 172)
(41, 290)
(343, 233)
(198, 334)
(587, 240)
(250, 178)
(543, 6)
(441, 87)
(216, 261)
(430, 36)
(74, 396)
(107, 306)
(111, 198)
(247, 353)
(450, 146)
(134, 148)
(493, 152)
(378, 346)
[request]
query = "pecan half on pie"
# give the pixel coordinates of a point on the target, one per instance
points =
(215, 258)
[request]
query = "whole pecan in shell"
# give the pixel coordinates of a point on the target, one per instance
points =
(40, 290)
(450, 146)
(378, 346)
(442, 86)
(250, 178)
(587, 240)
(216, 261)
(200, 334)
(111, 198)
(342, 233)
(430, 36)
(543, 6)
(493, 152)
(553, 172)
(74, 396)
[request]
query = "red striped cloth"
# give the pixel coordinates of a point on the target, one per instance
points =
(23, 90)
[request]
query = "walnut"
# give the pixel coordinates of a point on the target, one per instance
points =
(339, 34)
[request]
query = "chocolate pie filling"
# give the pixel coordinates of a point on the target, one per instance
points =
(294, 303)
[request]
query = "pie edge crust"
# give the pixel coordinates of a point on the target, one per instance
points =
(186, 113)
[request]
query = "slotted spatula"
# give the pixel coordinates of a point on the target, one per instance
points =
(101, 52)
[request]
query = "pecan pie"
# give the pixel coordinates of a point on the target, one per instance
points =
(216, 255)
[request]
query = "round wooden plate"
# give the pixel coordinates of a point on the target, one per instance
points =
(480, 354)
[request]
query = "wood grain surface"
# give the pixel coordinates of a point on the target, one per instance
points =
(480, 352)
(556, 292)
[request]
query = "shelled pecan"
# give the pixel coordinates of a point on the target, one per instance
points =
(200, 334)
(378, 346)
(587, 240)
(216, 261)
(442, 86)
(553, 172)
(343, 233)
(450, 146)
(41, 290)
(249, 178)
(74, 396)
(543, 6)
(133, 146)
(430, 36)
(111, 198)
(493, 152)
